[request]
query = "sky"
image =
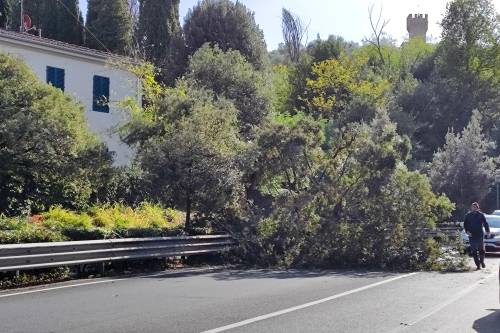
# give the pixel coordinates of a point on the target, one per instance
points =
(346, 18)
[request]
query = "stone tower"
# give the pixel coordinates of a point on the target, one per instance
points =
(417, 25)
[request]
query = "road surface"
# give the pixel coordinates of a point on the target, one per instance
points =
(261, 301)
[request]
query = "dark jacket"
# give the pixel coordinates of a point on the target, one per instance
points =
(474, 223)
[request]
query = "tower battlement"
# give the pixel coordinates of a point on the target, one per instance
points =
(417, 25)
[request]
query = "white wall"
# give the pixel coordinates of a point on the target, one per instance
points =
(78, 82)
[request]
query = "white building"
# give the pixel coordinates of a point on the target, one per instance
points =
(83, 73)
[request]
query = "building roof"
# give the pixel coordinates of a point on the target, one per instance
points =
(55, 45)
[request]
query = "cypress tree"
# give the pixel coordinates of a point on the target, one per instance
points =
(58, 19)
(111, 24)
(69, 22)
(5, 12)
(228, 24)
(158, 22)
(160, 37)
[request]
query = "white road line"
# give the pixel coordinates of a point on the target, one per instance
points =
(106, 281)
(306, 305)
(450, 301)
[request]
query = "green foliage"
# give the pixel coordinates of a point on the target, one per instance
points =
(5, 13)
(108, 221)
(144, 216)
(462, 168)
(459, 76)
(69, 22)
(335, 83)
(471, 38)
(110, 25)
(230, 26)
(160, 36)
(228, 75)
(189, 152)
(448, 259)
(281, 89)
(48, 154)
(57, 218)
(58, 20)
(20, 230)
(331, 48)
(44, 276)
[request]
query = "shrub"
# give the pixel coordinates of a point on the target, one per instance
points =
(20, 230)
(58, 218)
(48, 155)
(100, 222)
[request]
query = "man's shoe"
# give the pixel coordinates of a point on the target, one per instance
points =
(483, 265)
(478, 268)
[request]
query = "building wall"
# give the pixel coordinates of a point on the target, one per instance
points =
(79, 72)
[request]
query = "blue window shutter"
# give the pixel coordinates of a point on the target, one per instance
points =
(100, 94)
(50, 74)
(60, 78)
(55, 77)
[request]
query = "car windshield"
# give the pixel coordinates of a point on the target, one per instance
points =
(493, 221)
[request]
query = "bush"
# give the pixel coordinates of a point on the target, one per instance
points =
(48, 155)
(145, 216)
(58, 218)
(21, 230)
(100, 222)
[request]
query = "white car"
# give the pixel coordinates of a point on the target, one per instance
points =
(496, 212)
(491, 244)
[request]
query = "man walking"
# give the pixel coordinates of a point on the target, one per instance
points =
(473, 225)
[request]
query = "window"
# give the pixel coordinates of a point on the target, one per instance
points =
(55, 77)
(100, 97)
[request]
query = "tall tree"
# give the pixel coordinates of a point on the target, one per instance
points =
(462, 169)
(5, 12)
(471, 38)
(293, 30)
(331, 48)
(160, 36)
(227, 74)
(230, 26)
(57, 19)
(69, 22)
(110, 25)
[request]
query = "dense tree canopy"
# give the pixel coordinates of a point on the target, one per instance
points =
(160, 37)
(110, 26)
(5, 13)
(230, 25)
(462, 169)
(48, 154)
(228, 75)
(60, 20)
(189, 151)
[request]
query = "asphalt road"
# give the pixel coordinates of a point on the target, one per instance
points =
(262, 301)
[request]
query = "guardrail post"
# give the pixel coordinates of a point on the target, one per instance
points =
(100, 267)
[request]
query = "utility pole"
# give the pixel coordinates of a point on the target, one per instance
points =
(21, 25)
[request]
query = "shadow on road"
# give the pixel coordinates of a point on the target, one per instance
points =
(488, 324)
(237, 274)
(295, 274)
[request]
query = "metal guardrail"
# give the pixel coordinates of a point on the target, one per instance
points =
(446, 231)
(15, 257)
